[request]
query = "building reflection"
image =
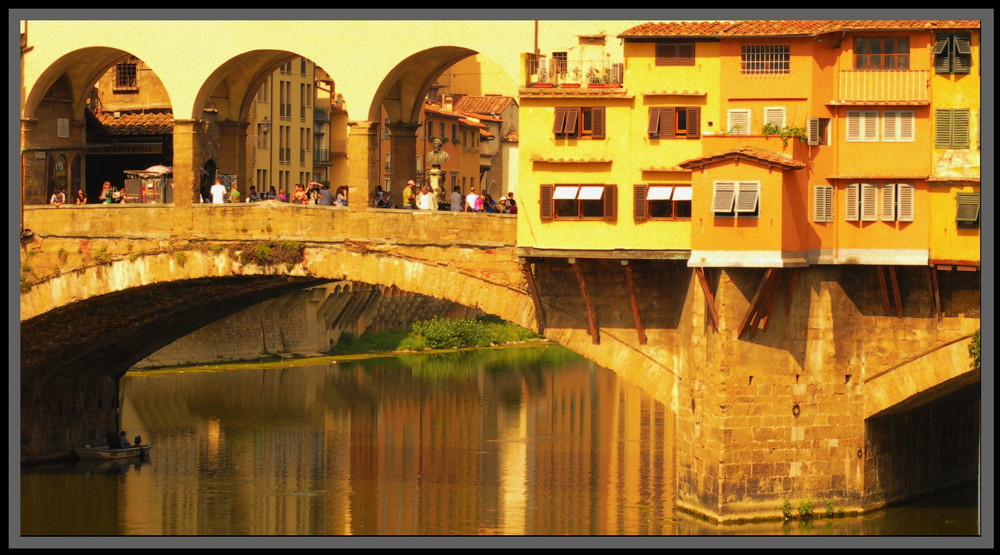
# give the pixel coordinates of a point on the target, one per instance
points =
(471, 444)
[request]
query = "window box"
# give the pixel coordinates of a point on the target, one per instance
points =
(542, 85)
(604, 85)
(570, 85)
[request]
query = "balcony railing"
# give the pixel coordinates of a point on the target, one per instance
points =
(556, 72)
(905, 85)
(321, 157)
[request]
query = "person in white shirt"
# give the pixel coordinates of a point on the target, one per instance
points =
(425, 199)
(218, 192)
(470, 200)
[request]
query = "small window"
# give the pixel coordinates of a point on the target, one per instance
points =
(822, 203)
(764, 58)
(897, 126)
(739, 122)
(127, 75)
(951, 128)
(662, 202)
(774, 116)
(952, 53)
(578, 202)
(675, 122)
(675, 53)
(575, 123)
(967, 214)
(882, 53)
(736, 199)
(897, 202)
(819, 131)
(862, 126)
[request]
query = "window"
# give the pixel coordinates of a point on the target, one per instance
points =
(736, 199)
(739, 122)
(897, 202)
(662, 202)
(882, 53)
(675, 122)
(897, 126)
(578, 202)
(951, 128)
(560, 63)
(775, 116)
(674, 53)
(952, 53)
(127, 75)
(764, 58)
(574, 123)
(862, 126)
(967, 215)
(860, 202)
(819, 131)
(454, 132)
(822, 203)
(264, 94)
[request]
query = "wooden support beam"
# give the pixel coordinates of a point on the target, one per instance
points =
(630, 281)
(791, 291)
(885, 293)
(713, 315)
(595, 333)
(754, 303)
(535, 295)
(935, 292)
(768, 301)
(895, 291)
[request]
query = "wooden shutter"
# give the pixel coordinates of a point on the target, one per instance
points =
(968, 207)
(813, 131)
(890, 125)
(667, 123)
(545, 202)
(961, 54)
(671, 54)
(610, 202)
(942, 55)
(904, 200)
(853, 125)
(560, 123)
(597, 122)
(654, 121)
(665, 53)
(960, 128)
(572, 118)
(639, 202)
(747, 197)
(723, 195)
(869, 128)
(693, 122)
(888, 203)
(822, 203)
(869, 202)
(851, 203)
(907, 125)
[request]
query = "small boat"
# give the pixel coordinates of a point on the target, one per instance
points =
(107, 453)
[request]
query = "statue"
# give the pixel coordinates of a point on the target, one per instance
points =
(436, 158)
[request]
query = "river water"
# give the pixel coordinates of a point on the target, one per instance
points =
(526, 441)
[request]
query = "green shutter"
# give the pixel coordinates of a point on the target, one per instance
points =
(968, 207)
(942, 129)
(960, 128)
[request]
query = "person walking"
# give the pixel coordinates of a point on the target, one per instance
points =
(456, 199)
(409, 195)
(218, 192)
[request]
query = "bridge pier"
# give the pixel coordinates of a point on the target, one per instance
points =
(66, 412)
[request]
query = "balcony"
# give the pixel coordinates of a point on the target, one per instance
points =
(338, 146)
(321, 157)
(905, 86)
(573, 73)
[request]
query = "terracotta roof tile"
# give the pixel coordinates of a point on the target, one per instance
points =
(146, 122)
(573, 160)
(784, 28)
(684, 92)
(483, 104)
(511, 137)
(766, 157)
(879, 176)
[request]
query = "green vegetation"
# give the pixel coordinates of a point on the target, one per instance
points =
(180, 257)
(785, 133)
(786, 509)
(266, 253)
(974, 351)
(829, 509)
(805, 509)
(437, 333)
(102, 256)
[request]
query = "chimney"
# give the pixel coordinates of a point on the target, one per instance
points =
(448, 103)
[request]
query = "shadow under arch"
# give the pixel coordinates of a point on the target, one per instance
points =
(403, 89)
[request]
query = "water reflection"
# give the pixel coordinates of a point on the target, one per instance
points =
(529, 441)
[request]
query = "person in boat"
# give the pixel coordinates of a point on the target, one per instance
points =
(137, 441)
(124, 440)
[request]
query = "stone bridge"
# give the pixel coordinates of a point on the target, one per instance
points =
(807, 402)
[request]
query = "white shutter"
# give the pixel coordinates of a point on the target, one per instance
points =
(774, 115)
(907, 127)
(723, 195)
(869, 126)
(905, 201)
(890, 125)
(853, 125)
(739, 122)
(822, 203)
(747, 197)
(888, 203)
(851, 203)
(813, 125)
(869, 202)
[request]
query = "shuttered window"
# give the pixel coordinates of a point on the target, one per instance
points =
(774, 115)
(869, 202)
(736, 198)
(822, 203)
(573, 123)
(819, 131)
(904, 202)
(851, 204)
(675, 53)
(967, 214)
(862, 126)
(951, 128)
(578, 202)
(739, 122)
(662, 202)
(897, 126)
(674, 122)
(888, 203)
(952, 53)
